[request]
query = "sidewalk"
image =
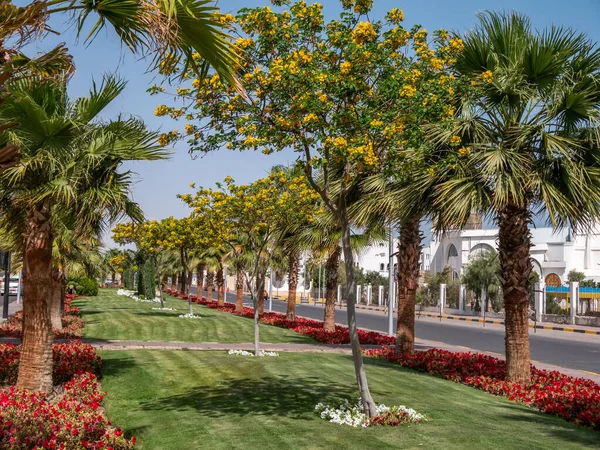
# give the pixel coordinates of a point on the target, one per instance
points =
(13, 307)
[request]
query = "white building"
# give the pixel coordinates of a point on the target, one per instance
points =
(554, 253)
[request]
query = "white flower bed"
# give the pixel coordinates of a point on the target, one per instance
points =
(164, 309)
(246, 353)
(189, 316)
(131, 295)
(354, 416)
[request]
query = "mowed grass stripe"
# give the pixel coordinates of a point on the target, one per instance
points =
(219, 401)
(110, 316)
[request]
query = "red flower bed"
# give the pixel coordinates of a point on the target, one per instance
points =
(29, 420)
(71, 358)
(574, 399)
(71, 321)
(309, 327)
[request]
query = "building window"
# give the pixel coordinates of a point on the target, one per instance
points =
(381, 267)
(388, 267)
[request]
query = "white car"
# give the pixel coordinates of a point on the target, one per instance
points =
(13, 285)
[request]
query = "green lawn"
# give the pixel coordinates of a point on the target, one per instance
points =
(111, 316)
(190, 400)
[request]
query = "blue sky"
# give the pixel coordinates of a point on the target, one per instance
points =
(159, 182)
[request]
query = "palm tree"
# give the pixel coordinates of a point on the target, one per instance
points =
(530, 132)
(165, 31)
(69, 163)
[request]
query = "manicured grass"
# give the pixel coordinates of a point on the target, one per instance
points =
(111, 316)
(187, 400)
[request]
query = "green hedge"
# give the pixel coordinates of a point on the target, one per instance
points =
(148, 279)
(83, 286)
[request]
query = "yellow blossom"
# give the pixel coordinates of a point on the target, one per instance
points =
(408, 91)
(487, 76)
(454, 140)
(345, 67)
(364, 32)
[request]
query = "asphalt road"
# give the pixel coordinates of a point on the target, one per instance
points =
(575, 352)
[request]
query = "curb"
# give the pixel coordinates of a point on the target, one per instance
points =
(494, 322)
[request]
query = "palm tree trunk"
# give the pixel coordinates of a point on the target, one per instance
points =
(220, 287)
(515, 268)
(210, 275)
(359, 367)
(331, 268)
(181, 282)
(200, 278)
(175, 282)
(35, 368)
(113, 276)
(293, 264)
(63, 289)
(55, 318)
(409, 251)
(239, 294)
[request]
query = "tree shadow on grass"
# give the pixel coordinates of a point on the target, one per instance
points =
(113, 367)
(272, 395)
(553, 425)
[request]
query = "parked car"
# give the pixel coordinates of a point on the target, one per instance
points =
(13, 285)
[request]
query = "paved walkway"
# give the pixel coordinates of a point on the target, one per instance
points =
(420, 344)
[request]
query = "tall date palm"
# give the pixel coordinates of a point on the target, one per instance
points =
(69, 165)
(530, 143)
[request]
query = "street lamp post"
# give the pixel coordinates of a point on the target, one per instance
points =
(391, 284)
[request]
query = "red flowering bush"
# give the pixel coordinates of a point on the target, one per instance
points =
(309, 327)
(71, 321)
(70, 358)
(29, 420)
(574, 399)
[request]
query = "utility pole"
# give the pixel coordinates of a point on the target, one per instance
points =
(391, 283)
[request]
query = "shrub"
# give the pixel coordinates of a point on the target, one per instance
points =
(149, 279)
(84, 286)
(74, 420)
(70, 358)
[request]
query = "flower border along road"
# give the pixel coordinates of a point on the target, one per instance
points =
(574, 399)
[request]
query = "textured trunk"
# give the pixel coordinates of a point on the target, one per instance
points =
(260, 288)
(175, 283)
(35, 368)
(200, 278)
(293, 264)
(331, 268)
(113, 275)
(182, 279)
(220, 287)
(239, 292)
(56, 299)
(409, 251)
(210, 275)
(359, 367)
(63, 290)
(189, 289)
(515, 268)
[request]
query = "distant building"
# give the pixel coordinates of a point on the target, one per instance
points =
(554, 253)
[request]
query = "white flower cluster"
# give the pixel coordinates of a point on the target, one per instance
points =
(246, 353)
(354, 415)
(164, 309)
(189, 316)
(131, 295)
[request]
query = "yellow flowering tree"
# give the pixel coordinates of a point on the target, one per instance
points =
(349, 96)
(253, 219)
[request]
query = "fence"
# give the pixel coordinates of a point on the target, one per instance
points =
(558, 301)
